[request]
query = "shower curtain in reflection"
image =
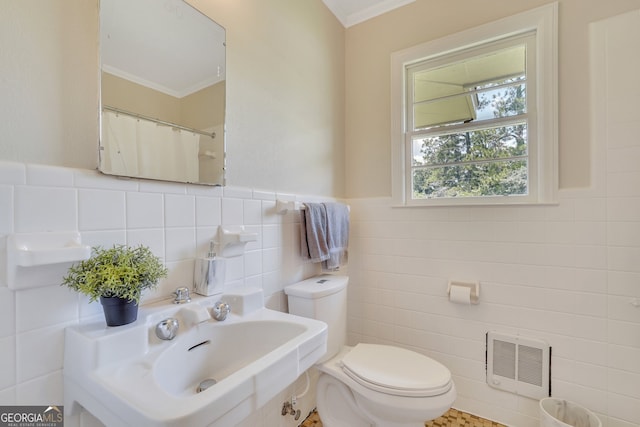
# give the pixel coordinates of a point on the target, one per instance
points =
(145, 149)
(120, 153)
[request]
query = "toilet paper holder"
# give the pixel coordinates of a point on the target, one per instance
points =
(474, 289)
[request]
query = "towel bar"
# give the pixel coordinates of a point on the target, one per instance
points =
(283, 206)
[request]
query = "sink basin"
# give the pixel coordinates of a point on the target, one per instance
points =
(203, 354)
(126, 376)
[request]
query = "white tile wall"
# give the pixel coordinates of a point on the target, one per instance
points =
(569, 281)
(175, 221)
(59, 204)
(569, 274)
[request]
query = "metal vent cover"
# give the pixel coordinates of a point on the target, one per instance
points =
(519, 365)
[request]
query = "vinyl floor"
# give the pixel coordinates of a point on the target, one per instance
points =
(453, 418)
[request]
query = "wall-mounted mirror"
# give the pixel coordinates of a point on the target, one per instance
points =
(162, 92)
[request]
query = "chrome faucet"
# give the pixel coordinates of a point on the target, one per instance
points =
(181, 296)
(167, 329)
(220, 310)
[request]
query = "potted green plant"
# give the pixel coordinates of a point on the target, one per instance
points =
(117, 277)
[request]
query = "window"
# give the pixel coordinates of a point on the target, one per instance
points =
(475, 115)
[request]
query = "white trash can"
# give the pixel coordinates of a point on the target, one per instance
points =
(563, 413)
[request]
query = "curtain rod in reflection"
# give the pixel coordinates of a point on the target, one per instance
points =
(162, 122)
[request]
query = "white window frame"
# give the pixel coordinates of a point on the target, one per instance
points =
(543, 135)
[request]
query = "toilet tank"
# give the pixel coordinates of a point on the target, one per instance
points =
(323, 298)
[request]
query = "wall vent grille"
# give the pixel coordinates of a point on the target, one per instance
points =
(519, 365)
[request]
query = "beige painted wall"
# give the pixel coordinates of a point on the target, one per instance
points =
(370, 44)
(204, 109)
(49, 82)
(285, 89)
(285, 94)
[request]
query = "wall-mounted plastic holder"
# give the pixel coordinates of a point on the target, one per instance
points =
(41, 259)
(463, 292)
(231, 241)
(284, 206)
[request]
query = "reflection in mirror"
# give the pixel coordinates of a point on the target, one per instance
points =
(162, 92)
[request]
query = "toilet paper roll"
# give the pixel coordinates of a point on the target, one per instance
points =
(460, 295)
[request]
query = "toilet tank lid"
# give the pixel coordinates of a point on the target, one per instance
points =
(317, 286)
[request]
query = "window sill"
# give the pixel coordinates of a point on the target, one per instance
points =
(484, 203)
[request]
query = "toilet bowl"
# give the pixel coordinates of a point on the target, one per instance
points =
(404, 390)
(368, 384)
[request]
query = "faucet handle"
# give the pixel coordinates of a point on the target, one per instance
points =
(220, 310)
(182, 296)
(167, 329)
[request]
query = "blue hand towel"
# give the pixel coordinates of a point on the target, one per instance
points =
(313, 232)
(324, 234)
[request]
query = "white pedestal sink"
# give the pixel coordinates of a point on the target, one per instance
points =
(126, 376)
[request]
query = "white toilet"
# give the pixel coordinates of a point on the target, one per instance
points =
(369, 384)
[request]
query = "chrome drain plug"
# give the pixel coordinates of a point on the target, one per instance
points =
(209, 382)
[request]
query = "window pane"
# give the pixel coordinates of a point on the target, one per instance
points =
(458, 109)
(491, 103)
(499, 178)
(501, 102)
(461, 91)
(479, 71)
(481, 144)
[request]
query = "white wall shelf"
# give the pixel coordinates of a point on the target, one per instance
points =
(232, 240)
(32, 257)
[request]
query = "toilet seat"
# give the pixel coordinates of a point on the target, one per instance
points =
(396, 371)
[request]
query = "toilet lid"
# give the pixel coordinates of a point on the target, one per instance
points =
(396, 371)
